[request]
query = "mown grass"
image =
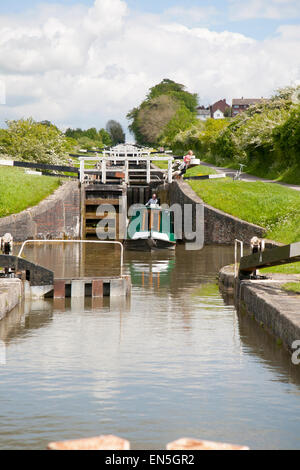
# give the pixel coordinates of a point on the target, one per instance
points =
(293, 268)
(194, 171)
(271, 206)
(200, 170)
(292, 287)
(19, 191)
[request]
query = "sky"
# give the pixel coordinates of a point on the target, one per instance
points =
(79, 63)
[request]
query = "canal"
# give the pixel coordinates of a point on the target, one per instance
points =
(174, 360)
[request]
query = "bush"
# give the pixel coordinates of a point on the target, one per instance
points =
(34, 142)
(287, 139)
(266, 137)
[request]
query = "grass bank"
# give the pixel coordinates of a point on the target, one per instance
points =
(288, 175)
(271, 206)
(18, 191)
(293, 268)
(194, 171)
(292, 287)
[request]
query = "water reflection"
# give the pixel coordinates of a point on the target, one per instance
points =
(175, 359)
(260, 343)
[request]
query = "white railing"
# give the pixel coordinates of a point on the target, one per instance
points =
(236, 243)
(124, 161)
(78, 241)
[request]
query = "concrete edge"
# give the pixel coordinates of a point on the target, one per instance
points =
(11, 293)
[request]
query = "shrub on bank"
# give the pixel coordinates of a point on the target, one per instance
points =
(266, 138)
(32, 141)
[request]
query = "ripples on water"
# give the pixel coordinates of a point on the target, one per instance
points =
(174, 360)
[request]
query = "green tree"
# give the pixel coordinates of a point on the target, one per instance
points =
(181, 121)
(287, 139)
(92, 134)
(116, 132)
(148, 122)
(154, 116)
(105, 138)
(86, 144)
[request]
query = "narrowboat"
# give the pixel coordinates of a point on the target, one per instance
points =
(151, 228)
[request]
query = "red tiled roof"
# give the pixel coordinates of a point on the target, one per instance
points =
(247, 101)
(221, 105)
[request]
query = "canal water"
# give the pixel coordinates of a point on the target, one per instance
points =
(174, 360)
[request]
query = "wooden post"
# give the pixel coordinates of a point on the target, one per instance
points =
(59, 289)
(97, 288)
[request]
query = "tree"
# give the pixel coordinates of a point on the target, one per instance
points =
(228, 112)
(74, 133)
(34, 142)
(154, 116)
(86, 143)
(92, 134)
(116, 132)
(181, 121)
(148, 121)
(164, 87)
(105, 138)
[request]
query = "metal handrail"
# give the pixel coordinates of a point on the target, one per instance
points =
(78, 241)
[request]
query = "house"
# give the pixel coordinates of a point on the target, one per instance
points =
(240, 105)
(203, 113)
(218, 109)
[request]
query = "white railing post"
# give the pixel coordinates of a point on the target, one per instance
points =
(148, 171)
(81, 170)
(103, 170)
(126, 171)
(170, 175)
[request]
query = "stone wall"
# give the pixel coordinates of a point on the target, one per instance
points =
(220, 228)
(11, 292)
(56, 217)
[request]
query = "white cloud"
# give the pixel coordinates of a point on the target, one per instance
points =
(290, 32)
(270, 9)
(2, 92)
(106, 16)
(69, 66)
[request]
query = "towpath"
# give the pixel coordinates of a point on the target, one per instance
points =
(247, 177)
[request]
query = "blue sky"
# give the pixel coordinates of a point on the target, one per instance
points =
(83, 62)
(258, 27)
